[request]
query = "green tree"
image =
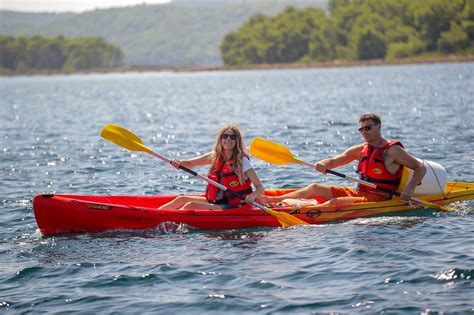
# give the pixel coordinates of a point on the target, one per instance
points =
(356, 29)
(433, 17)
(454, 39)
(370, 44)
(466, 19)
(23, 54)
(411, 47)
(8, 53)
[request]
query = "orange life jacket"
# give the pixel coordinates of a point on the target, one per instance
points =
(224, 174)
(372, 168)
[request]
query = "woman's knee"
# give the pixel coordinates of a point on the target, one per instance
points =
(182, 199)
(188, 206)
(192, 205)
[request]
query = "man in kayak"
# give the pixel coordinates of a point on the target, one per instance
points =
(380, 161)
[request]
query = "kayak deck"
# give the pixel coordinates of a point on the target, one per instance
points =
(57, 214)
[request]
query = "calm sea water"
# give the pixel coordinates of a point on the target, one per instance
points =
(49, 131)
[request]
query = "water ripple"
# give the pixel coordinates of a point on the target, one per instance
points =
(50, 143)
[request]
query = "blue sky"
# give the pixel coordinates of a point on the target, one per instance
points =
(69, 5)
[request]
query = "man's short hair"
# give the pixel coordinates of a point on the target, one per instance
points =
(370, 116)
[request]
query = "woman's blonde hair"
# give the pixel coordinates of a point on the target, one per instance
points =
(237, 154)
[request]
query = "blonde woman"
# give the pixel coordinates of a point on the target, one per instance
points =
(230, 166)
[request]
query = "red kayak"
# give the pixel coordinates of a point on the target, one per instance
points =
(57, 214)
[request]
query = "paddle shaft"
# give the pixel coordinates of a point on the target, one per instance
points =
(357, 180)
(363, 182)
(209, 181)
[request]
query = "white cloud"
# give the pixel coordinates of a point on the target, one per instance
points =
(70, 5)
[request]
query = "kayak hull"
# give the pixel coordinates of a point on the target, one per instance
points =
(58, 214)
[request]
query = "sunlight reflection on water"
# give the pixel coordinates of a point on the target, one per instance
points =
(50, 142)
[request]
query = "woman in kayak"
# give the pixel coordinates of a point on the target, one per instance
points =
(230, 166)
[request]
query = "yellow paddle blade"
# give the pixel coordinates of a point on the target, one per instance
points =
(432, 205)
(124, 138)
(271, 152)
(285, 219)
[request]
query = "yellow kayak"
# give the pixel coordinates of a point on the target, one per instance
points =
(455, 191)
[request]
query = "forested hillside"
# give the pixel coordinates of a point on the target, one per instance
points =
(182, 32)
(354, 30)
(27, 54)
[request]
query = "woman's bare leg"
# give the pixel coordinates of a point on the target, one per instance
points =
(180, 201)
(200, 206)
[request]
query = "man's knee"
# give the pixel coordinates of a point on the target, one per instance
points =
(341, 201)
(312, 190)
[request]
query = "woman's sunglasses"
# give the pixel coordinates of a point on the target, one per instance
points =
(366, 128)
(225, 136)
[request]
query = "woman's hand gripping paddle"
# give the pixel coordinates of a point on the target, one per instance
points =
(128, 140)
(278, 154)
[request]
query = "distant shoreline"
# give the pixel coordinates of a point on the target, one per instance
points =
(199, 68)
(325, 64)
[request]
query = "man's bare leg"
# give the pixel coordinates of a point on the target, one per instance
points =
(309, 192)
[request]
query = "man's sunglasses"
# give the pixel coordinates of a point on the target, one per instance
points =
(225, 136)
(366, 128)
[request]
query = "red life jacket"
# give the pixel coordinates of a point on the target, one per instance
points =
(224, 174)
(372, 168)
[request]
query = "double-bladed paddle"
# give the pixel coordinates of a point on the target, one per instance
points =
(128, 140)
(278, 154)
